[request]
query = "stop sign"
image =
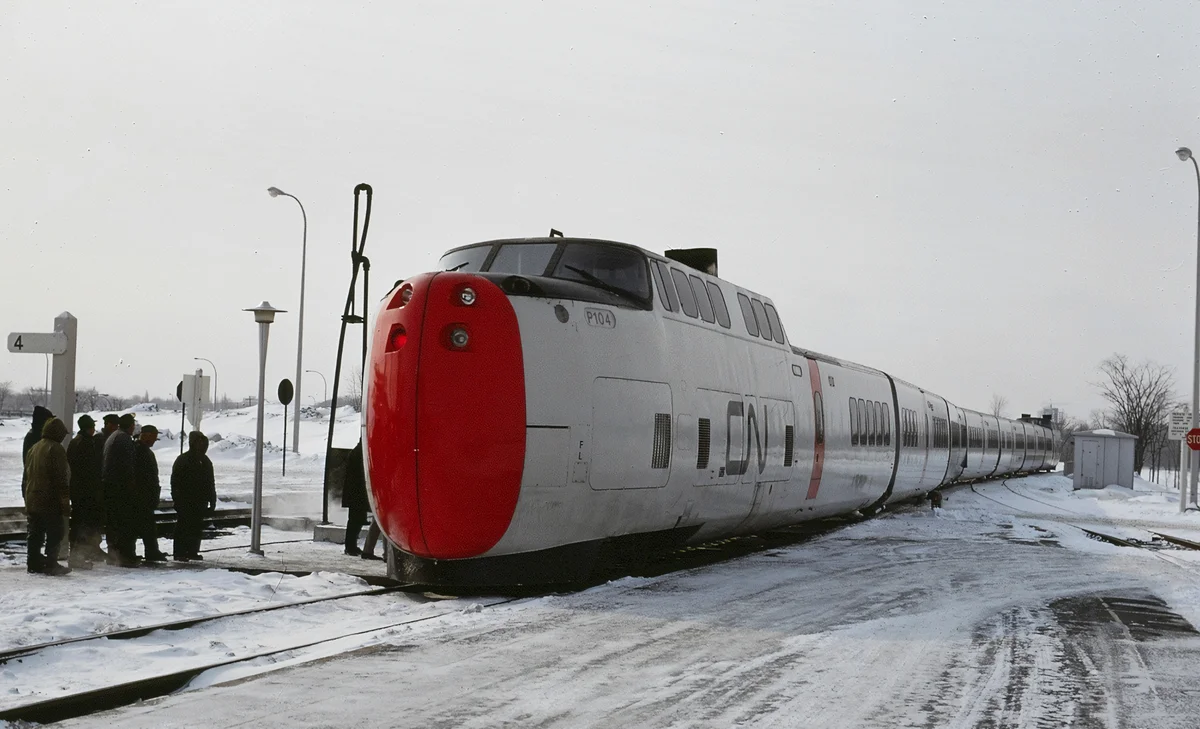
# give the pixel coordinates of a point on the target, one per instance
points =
(1193, 439)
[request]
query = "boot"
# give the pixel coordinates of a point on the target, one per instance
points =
(34, 565)
(54, 569)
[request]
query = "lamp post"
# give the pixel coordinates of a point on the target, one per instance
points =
(216, 395)
(264, 314)
(276, 192)
(1184, 155)
(323, 382)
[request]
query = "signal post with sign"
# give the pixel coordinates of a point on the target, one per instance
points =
(61, 344)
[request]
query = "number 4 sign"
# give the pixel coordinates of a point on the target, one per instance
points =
(61, 344)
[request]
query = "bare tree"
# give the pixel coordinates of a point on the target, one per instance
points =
(999, 405)
(1066, 427)
(1140, 399)
(6, 392)
(36, 396)
(354, 390)
(88, 399)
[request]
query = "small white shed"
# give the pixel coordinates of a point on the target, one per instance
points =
(1103, 458)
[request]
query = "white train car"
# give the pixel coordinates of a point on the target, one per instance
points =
(541, 402)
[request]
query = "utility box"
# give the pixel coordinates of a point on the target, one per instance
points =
(1103, 458)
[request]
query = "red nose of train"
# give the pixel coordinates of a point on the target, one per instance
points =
(446, 415)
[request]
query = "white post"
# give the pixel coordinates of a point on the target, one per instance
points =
(62, 380)
(256, 513)
(1181, 479)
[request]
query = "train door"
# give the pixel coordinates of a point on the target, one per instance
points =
(814, 380)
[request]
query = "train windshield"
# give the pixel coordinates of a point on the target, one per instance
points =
(619, 270)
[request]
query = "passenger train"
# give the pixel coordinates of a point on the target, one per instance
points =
(538, 404)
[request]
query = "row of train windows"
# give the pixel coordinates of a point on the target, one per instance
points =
(910, 428)
(941, 432)
(870, 423)
(679, 291)
(697, 298)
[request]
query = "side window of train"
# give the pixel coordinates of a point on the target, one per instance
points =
(887, 425)
(687, 301)
(666, 291)
(776, 325)
(853, 422)
(818, 417)
(748, 314)
(760, 315)
(702, 300)
(876, 431)
(717, 298)
(864, 424)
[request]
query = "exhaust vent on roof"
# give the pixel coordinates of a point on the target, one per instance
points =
(701, 259)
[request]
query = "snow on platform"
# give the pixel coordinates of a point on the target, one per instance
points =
(983, 613)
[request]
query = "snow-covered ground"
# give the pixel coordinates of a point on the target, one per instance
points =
(296, 494)
(992, 611)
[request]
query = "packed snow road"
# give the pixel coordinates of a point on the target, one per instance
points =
(969, 617)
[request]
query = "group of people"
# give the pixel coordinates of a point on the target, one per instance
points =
(105, 484)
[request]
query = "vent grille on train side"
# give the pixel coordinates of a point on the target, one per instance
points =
(702, 447)
(789, 438)
(662, 441)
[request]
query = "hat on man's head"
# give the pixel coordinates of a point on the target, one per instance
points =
(111, 418)
(127, 420)
(85, 421)
(149, 429)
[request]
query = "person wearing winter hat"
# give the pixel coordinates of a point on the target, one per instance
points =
(40, 416)
(47, 498)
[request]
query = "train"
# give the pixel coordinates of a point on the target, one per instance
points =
(538, 405)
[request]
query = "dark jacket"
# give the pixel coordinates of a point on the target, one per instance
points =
(145, 476)
(40, 416)
(117, 467)
(47, 474)
(354, 489)
(193, 486)
(86, 491)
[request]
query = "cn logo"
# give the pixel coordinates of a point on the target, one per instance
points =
(738, 409)
(600, 318)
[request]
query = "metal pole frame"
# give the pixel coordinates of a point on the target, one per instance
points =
(357, 245)
(256, 511)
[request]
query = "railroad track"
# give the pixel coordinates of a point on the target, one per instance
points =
(90, 701)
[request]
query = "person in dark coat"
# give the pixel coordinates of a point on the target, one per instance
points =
(116, 477)
(40, 416)
(354, 498)
(194, 491)
(147, 492)
(47, 498)
(87, 496)
(111, 424)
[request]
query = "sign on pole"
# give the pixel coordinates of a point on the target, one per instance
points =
(196, 397)
(36, 343)
(1179, 423)
(1193, 439)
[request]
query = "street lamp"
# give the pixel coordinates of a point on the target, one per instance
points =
(276, 192)
(1184, 155)
(216, 396)
(264, 314)
(323, 382)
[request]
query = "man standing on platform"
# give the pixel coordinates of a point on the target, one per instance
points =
(193, 489)
(116, 475)
(146, 493)
(87, 495)
(47, 498)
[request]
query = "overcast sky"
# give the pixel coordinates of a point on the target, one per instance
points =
(979, 197)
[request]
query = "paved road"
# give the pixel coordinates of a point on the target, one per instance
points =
(967, 619)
